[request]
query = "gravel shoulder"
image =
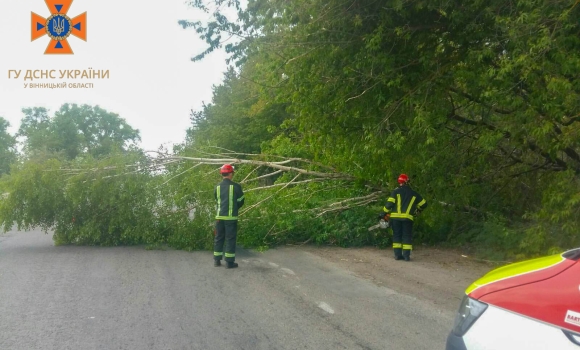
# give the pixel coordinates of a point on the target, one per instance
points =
(438, 276)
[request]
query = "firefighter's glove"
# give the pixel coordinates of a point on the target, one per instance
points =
(381, 216)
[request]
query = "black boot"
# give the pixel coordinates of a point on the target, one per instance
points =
(231, 265)
(398, 255)
(217, 263)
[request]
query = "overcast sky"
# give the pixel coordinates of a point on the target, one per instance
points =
(153, 83)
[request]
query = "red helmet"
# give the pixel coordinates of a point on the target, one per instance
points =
(403, 179)
(226, 169)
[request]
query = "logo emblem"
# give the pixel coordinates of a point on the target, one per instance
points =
(59, 27)
(572, 318)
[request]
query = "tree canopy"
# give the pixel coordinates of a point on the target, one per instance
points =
(75, 130)
(478, 101)
(8, 152)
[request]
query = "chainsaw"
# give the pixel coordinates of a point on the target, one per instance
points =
(384, 224)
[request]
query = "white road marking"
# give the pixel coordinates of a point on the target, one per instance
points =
(288, 271)
(324, 306)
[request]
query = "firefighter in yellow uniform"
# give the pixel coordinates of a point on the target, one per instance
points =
(230, 198)
(401, 208)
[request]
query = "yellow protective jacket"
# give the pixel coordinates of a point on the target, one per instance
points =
(404, 202)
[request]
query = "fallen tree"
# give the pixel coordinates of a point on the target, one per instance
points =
(157, 198)
(160, 198)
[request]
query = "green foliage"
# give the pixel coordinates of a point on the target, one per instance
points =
(477, 101)
(74, 131)
(34, 197)
(238, 119)
(294, 216)
(85, 207)
(8, 153)
(100, 202)
(82, 179)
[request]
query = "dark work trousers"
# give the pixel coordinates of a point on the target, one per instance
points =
(226, 230)
(402, 236)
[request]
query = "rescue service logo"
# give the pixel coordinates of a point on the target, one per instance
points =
(573, 318)
(59, 26)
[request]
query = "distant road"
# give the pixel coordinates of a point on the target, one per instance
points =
(85, 298)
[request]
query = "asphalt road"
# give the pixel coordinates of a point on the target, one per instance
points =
(130, 298)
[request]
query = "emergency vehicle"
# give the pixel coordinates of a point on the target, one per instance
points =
(532, 305)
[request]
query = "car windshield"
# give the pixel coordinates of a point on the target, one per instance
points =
(572, 254)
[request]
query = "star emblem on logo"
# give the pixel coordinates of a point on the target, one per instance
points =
(59, 26)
